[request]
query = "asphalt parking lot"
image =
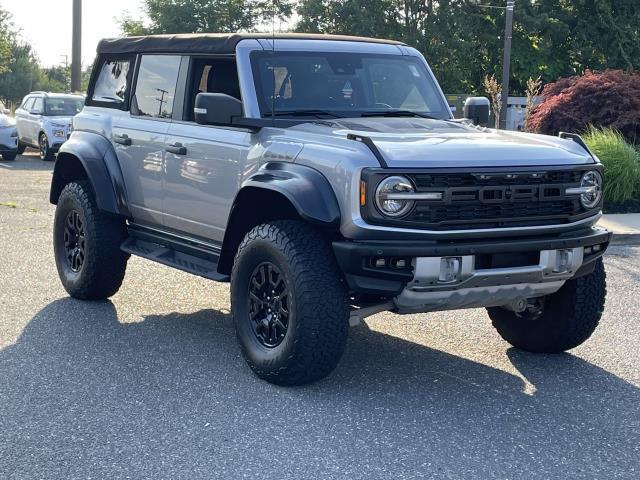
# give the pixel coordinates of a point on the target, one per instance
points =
(152, 385)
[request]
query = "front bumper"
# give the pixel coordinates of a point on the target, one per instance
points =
(489, 272)
(8, 148)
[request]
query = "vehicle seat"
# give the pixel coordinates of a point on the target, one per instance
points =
(223, 78)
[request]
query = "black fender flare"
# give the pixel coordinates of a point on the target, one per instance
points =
(306, 188)
(100, 162)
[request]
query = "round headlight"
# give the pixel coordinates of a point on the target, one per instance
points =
(593, 181)
(389, 196)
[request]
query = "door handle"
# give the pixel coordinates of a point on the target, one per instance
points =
(122, 139)
(177, 149)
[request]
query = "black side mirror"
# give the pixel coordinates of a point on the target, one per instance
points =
(216, 109)
(476, 109)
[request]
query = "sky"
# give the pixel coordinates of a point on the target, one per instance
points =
(46, 25)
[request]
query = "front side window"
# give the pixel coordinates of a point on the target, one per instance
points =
(156, 85)
(28, 104)
(67, 107)
(38, 106)
(112, 82)
(344, 83)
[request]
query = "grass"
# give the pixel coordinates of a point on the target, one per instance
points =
(9, 204)
(621, 163)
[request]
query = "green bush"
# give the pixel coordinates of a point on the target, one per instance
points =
(621, 163)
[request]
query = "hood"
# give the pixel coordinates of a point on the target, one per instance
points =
(7, 121)
(60, 120)
(416, 142)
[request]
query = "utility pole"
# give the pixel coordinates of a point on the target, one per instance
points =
(506, 63)
(161, 101)
(76, 47)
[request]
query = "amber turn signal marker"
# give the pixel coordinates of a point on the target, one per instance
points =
(363, 193)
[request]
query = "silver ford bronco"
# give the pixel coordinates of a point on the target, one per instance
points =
(326, 179)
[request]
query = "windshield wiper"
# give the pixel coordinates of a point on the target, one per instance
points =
(303, 113)
(398, 113)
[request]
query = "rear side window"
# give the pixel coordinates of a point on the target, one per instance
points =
(112, 83)
(156, 85)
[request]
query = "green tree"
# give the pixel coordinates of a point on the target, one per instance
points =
(7, 35)
(22, 75)
(54, 79)
(463, 40)
(191, 16)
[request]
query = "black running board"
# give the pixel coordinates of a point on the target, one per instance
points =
(167, 250)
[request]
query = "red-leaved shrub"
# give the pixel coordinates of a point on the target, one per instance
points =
(605, 99)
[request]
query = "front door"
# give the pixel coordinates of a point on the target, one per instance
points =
(203, 163)
(140, 137)
(203, 168)
(23, 121)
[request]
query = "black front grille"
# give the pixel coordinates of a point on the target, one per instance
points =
(474, 215)
(489, 199)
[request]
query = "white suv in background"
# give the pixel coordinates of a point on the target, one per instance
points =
(8, 135)
(44, 121)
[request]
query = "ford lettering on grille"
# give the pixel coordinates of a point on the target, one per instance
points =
(504, 194)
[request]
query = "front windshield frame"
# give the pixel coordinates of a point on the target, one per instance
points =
(48, 113)
(437, 107)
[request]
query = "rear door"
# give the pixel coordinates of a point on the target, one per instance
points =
(140, 135)
(203, 163)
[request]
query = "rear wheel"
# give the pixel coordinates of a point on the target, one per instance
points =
(557, 322)
(9, 156)
(86, 244)
(46, 153)
(289, 303)
(21, 147)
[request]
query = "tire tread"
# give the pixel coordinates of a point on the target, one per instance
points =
(571, 316)
(104, 268)
(322, 325)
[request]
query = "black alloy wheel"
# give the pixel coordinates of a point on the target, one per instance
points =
(268, 304)
(74, 241)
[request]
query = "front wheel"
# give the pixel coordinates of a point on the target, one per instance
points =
(557, 322)
(289, 303)
(9, 157)
(21, 147)
(46, 153)
(86, 244)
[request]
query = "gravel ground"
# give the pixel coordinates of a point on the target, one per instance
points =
(152, 385)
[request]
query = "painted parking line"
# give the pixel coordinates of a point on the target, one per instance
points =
(4, 165)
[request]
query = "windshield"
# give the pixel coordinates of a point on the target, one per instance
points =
(67, 107)
(344, 84)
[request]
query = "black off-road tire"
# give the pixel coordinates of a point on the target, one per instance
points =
(21, 147)
(9, 157)
(568, 317)
(318, 323)
(103, 267)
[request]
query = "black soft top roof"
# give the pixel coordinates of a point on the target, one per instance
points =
(209, 42)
